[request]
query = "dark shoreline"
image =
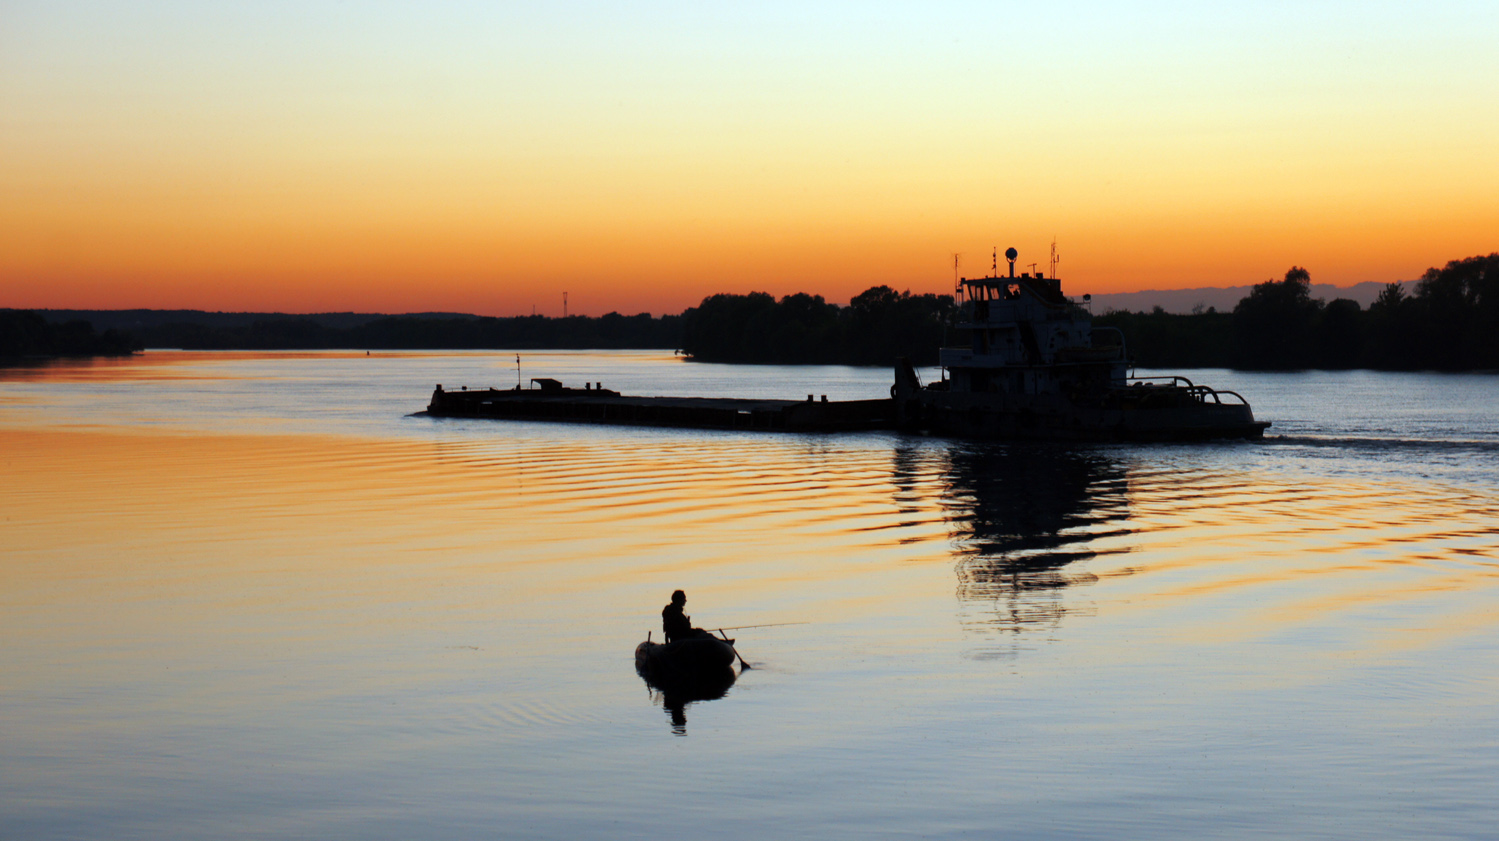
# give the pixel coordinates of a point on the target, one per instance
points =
(27, 336)
(1449, 323)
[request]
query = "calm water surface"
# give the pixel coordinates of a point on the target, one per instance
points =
(246, 595)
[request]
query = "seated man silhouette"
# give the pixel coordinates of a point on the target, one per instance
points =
(676, 624)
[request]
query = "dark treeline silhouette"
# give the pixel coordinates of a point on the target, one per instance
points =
(134, 321)
(1161, 339)
(1450, 323)
(408, 332)
(876, 327)
(24, 333)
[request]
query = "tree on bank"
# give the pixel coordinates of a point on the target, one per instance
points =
(1391, 328)
(1457, 315)
(1340, 336)
(1275, 325)
(878, 326)
(758, 328)
(1451, 323)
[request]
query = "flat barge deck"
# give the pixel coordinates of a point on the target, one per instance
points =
(554, 402)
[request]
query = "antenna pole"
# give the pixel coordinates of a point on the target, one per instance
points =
(564, 305)
(994, 268)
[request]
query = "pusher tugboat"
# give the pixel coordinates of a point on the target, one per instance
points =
(1031, 365)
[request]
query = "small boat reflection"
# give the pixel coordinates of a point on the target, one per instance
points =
(676, 692)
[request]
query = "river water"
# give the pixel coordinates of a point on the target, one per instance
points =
(248, 595)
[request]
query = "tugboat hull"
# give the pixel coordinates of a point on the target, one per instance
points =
(1055, 418)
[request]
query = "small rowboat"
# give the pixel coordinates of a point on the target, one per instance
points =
(697, 657)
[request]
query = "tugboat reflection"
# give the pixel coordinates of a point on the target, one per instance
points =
(1024, 518)
(675, 693)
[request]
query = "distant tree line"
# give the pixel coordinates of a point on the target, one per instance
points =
(877, 326)
(405, 332)
(26, 334)
(1450, 323)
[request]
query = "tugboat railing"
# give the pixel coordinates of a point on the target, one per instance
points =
(1236, 395)
(1201, 393)
(1174, 380)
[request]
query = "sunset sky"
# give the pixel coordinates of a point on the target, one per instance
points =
(486, 157)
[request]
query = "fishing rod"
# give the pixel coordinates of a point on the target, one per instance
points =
(771, 625)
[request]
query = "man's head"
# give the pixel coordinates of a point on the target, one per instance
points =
(679, 598)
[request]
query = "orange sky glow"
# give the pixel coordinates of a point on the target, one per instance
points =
(306, 158)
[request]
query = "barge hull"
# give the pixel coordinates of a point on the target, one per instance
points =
(689, 412)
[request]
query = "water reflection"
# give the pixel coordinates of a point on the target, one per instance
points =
(676, 694)
(911, 468)
(1023, 519)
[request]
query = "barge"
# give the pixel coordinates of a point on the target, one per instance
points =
(549, 400)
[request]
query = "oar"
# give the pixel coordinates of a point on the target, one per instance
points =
(742, 665)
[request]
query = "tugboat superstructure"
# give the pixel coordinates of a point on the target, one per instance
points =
(1031, 365)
